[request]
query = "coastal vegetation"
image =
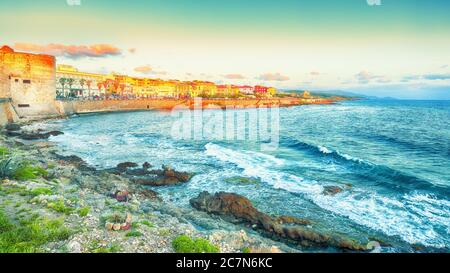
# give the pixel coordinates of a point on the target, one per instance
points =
(31, 234)
(185, 244)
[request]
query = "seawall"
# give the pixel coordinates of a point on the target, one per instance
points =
(61, 108)
(68, 107)
(7, 112)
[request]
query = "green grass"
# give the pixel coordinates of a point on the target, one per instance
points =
(246, 250)
(27, 172)
(60, 206)
(4, 151)
(133, 234)
(30, 235)
(94, 247)
(146, 223)
(83, 212)
(41, 191)
(185, 244)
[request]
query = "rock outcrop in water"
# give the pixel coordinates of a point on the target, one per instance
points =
(164, 177)
(236, 208)
(331, 190)
(143, 176)
(14, 132)
(76, 161)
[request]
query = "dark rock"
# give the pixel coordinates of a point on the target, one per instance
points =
(147, 193)
(165, 177)
(13, 133)
(126, 165)
(137, 172)
(76, 161)
(331, 190)
(240, 208)
(293, 220)
(12, 127)
(146, 165)
(36, 136)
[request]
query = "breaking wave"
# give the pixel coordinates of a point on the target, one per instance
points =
(415, 218)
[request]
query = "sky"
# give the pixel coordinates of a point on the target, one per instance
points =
(400, 48)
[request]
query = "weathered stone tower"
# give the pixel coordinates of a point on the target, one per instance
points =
(28, 81)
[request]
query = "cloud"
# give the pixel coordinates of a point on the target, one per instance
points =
(132, 50)
(273, 77)
(433, 77)
(410, 78)
(314, 73)
(159, 72)
(234, 76)
(444, 66)
(70, 51)
(365, 77)
(145, 69)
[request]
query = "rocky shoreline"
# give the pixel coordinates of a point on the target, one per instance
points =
(114, 210)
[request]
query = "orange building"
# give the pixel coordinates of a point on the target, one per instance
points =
(29, 81)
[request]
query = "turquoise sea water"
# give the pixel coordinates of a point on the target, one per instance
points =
(392, 158)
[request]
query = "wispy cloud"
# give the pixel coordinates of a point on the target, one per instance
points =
(314, 73)
(70, 51)
(273, 77)
(409, 78)
(365, 77)
(234, 76)
(148, 70)
(145, 69)
(433, 77)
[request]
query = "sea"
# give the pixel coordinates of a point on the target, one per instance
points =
(390, 158)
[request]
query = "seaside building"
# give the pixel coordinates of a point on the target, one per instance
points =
(33, 78)
(184, 89)
(73, 83)
(264, 91)
(246, 89)
(28, 81)
(203, 89)
(227, 91)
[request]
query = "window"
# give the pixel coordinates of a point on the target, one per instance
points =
(23, 105)
(27, 81)
(16, 80)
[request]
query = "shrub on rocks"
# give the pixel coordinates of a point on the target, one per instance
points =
(185, 244)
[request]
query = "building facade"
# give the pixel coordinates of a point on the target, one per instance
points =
(28, 80)
(73, 83)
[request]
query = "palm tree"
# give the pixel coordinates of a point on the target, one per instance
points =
(63, 82)
(99, 87)
(70, 82)
(82, 83)
(89, 83)
(122, 88)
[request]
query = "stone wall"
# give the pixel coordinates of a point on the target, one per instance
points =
(29, 81)
(7, 113)
(67, 107)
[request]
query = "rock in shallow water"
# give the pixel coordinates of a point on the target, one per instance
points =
(38, 135)
(165, 177)
(331, 190)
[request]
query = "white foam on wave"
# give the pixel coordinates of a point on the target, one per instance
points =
(324, 150)
(258, 165)
(414, 218)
